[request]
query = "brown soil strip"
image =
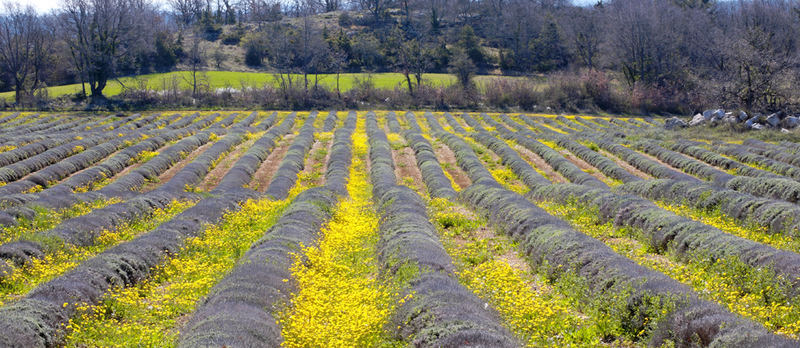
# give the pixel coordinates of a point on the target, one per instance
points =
(497, 162)
(264, 174)
(405, 165)
(315, 164)
(586, 167)
(540, 164)
(124, 171)
(213, 177)
(94, 164)
(459, 120)
(447, 157)
(655, 159)
(712, 165)
(486, 151)
(167, 175)
(625, 165)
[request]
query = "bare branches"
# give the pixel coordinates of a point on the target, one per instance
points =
(99, 32)
(24, 48)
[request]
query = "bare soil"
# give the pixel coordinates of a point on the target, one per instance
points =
(540, 164)
(213, 177)
(317, 165)
(264, 174)
(169, 173)
(405, 165)
(586, 167)
(655, 159)
(626, 166)
(446, 155)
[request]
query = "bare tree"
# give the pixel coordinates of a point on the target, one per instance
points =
(24, 48)
(331, 5)
(760, 53)
(374, 7)
(310, 44)
(282, 53)
(338, 62)
(99, 33)
(641, 35)
(584, 29)
(195, 58)
(412, 58)
(187, 10)
(261, 11)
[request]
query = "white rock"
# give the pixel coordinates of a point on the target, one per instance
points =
(697, 120)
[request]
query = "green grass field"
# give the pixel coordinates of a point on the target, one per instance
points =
(221, 79)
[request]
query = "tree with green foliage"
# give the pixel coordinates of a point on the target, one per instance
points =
(548, 49)
(256, 48)
(167, 51)
(463, 67)
(470, 43)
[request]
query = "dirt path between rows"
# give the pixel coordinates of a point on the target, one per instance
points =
(540, 164)
(169, 173)
(459, 120)
(510, 256)
(129, 168)
(447, 157)
(655, 159)
(90, 166)
(263, 175)
(405, 165)
(625, 165)
(586, 167)
(315, 164)
(213, 177)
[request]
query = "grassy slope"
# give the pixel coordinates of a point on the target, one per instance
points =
(220, 79)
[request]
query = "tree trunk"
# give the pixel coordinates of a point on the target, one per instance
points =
(97, 90)
(17, 91)
(194, 83)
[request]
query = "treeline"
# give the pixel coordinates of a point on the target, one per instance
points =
(675, 56)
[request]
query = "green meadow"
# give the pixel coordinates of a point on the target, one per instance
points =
(222, 79)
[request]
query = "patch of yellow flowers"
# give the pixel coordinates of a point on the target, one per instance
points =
(341, 301)
(753, 293)
(529, 307)
(729, 225)
(149, 313)
(144, 156)
(45, 219)
(64, 257)
(507, 178)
